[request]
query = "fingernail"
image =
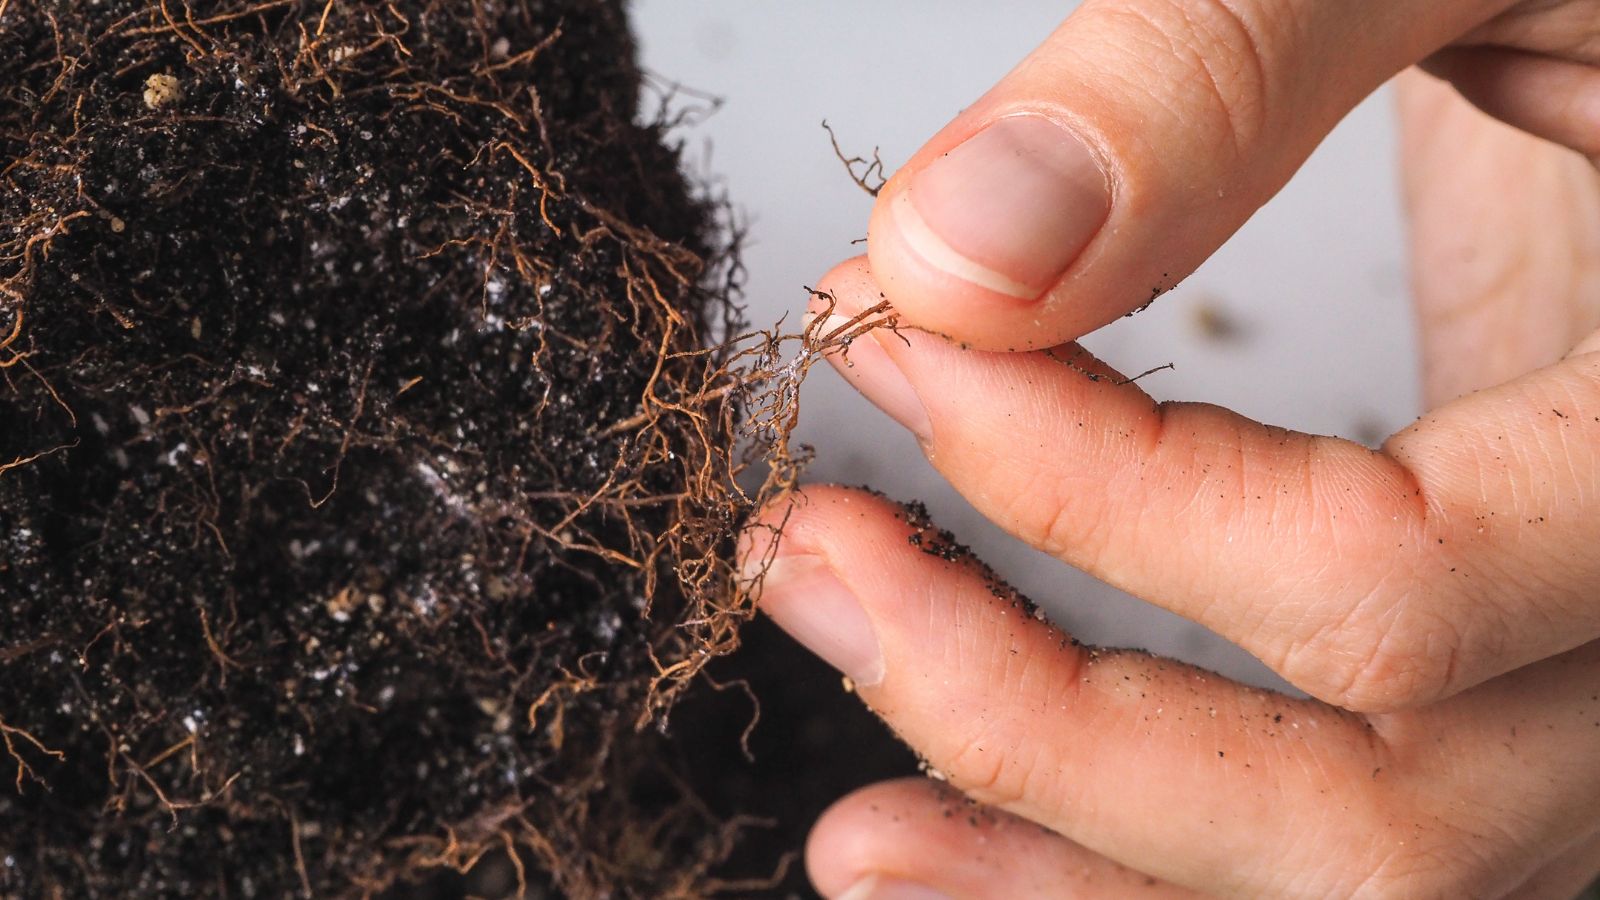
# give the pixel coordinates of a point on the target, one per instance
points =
(879, 887)
(1008, 210)
(865, 364)
(806, 599)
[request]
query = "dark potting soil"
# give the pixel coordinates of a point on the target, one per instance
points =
(367, 487)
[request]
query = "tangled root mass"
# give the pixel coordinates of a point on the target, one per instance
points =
(366, 449)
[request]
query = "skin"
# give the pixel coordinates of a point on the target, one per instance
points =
(1439, 600)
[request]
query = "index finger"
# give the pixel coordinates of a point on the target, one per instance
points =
(1372, 580)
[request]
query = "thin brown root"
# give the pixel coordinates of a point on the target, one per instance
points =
(299, 856)
(1101, 377)
(871, 176)
(24, 770)
(16, 327)
(21, 461)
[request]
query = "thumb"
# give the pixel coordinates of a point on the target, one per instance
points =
(1124, 150)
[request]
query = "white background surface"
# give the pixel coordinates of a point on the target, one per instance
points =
(1316, 280)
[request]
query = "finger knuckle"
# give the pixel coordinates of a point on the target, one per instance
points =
(1444, 862)
(1403, 670)
(1385, 653)
(990, 772)
(1072, 521)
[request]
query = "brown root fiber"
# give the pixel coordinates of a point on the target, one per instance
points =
(367, 450)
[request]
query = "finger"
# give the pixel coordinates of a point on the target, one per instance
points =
(1468, 797)
(1510, 764)
(1372, 580)
(1097, 746)
(1555, 99)
(887, 841)
(1505, 242)
(1124, 150)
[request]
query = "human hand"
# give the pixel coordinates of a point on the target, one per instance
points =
(1439, 599)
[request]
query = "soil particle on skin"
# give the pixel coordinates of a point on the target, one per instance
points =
(358, 499)
(941, 543)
